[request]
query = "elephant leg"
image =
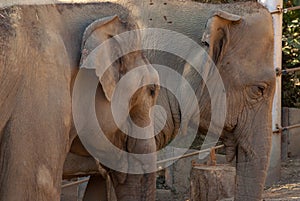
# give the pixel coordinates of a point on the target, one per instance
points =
(138, 186)
(32, 153)
(96, 189)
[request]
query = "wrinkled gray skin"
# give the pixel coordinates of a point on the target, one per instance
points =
(40, 51)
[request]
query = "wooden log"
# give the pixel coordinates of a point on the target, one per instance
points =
(211, 183)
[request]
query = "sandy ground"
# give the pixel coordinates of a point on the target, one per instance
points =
(288, 188)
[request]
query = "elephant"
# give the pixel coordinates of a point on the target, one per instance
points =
(44, 48)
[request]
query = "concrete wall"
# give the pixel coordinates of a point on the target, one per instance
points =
(290, 138)
(69, 193)
(73, 193)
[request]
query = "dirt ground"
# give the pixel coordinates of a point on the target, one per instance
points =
(288, 188)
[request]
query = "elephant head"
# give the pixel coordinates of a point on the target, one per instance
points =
(107, 59)
(242, 49)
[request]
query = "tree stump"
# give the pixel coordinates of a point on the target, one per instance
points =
(211, 183)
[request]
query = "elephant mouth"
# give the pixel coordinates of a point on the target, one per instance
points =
(231, 144)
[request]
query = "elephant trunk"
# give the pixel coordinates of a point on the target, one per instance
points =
(170, 123)
(139, 182)
(137, 187)
(253, 158)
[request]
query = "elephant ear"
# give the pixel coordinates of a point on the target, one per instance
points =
(217, 33)
(97, 54)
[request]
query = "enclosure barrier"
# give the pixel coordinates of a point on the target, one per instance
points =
(158, 162)
(75, 183)
(284, 10)
(189, 154)
(281, 129)
(280, 72)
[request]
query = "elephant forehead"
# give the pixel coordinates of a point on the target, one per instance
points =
(147, 73)
(251, 65)
(154, 77)
(251, 49)
(261, 24)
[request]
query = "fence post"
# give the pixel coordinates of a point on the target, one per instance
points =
(275, 160)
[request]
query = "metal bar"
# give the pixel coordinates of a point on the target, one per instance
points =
(286, 71)
(280, 129)
(158, 162)
(189, 154)
(279, 10)
(284, 10)
(292, 8)
(292, 127)
(74, 183)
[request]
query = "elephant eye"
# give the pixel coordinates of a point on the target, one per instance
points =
(261, 89)
(152, 89)
(121, 65)
(257, 91)
(205, 43)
